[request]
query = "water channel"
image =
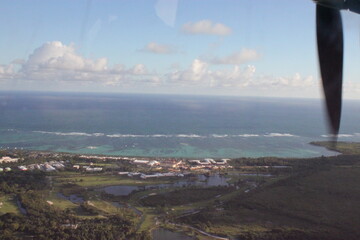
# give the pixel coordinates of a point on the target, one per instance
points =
(72, 198)
(199, 180)
(164, 234)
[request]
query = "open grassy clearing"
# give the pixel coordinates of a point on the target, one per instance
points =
(106, 180)
(149, 221)
(60, 202)
(8, 205)
(184, 196)
(105, 206)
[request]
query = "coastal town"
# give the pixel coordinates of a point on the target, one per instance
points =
(92, 194)
(160, 167)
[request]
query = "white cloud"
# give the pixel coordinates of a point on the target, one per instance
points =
(139, 69)
(57, 62)
(241, 80)
(243, 56)
(296, 82)
(351, 89)
(6, 69)
(198, 72)
(157, 48)
(206, 27)
(56, 56)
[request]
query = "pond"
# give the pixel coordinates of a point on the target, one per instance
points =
(21, 208)
(72, 198)
(200, 180)
(164, 234)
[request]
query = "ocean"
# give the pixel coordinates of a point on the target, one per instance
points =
(169, 125)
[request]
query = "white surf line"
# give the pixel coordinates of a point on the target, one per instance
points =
(189, 135)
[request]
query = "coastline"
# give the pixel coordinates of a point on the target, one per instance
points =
(317, 150)
(163, 204)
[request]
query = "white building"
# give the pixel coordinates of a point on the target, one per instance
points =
(8, 159)
(153, 163)
(141, 161)
(22, 168)
(95, 169)
(49, 168)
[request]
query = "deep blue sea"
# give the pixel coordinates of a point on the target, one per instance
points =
(169, 125)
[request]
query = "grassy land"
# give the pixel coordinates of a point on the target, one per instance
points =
(8, 205)
(105, 206)
(184, 196)
(315, 198)
(342, 147)
(149, 220)
(60, 202)
(321, 204)
(88, 180)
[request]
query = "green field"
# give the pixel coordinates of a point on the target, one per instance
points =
(92, 180)
(184, 196)
(314, 198)
(8, 205)
(60, 202)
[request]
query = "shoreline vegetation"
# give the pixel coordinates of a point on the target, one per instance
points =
(50, 195)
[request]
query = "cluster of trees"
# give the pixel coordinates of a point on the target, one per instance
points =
(44, 226)
(15, 182)
(42, 221)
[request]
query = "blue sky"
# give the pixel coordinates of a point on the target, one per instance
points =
(223, 47)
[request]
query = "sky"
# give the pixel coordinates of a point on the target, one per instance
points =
(212, 47)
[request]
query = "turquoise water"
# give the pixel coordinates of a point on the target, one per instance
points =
(168, 126)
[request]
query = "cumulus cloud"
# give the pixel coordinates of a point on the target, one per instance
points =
(296, 81)
(206, 27)
(56, 56)
(199, 73)
(58, 62)
(157, 48)
(243, 56)
(139, 69)
(238, 77)
(6, 69)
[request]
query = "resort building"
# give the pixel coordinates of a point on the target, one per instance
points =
(8, 159)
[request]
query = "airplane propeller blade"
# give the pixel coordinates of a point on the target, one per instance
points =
(330, 49)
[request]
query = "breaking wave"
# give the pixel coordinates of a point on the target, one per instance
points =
(340, 135)
(165, 135)
(72, 133)
(247, 135)
(219, 135)
(279, 135)
(126, 136)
